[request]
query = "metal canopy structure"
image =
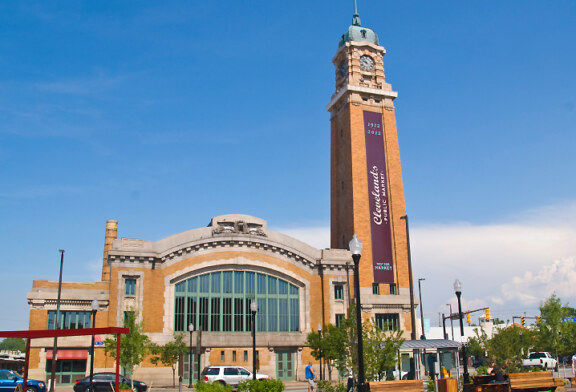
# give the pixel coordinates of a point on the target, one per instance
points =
(422, 348)
(50, 333)
(429, 344)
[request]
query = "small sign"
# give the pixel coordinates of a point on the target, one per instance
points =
(569, 319)
(98, 340)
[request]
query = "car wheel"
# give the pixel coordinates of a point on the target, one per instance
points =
(545, 366)
(31, 389)
(222, 382)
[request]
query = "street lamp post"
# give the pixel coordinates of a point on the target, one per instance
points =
(320, 347)
(190, 329)
(56, 326)
(423, 337)
(95, 306)
(458, 291)
(355, 246)
(198, 351)
(254, 310)
(411, 280)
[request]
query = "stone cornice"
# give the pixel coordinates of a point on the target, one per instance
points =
(362, 90)
(229, 243)
(66, 304)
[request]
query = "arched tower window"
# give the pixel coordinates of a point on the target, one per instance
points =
(220, 302)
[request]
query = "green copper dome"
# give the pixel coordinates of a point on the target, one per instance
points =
(358, 33)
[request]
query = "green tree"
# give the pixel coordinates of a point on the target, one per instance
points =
(13, 344)
(331, 346)
(169, 354)
(554, 336)
(380, 351)
(133, 346)
(336, 341)
(549, 329)
(509, 346)
(339, 347)
(476, 345)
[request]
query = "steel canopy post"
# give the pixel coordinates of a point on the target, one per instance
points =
(118, 337)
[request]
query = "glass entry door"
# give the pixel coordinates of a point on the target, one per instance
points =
(187, 370)
(285, 365)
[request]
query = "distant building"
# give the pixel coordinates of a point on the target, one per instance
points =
(12, 360)
(208, 276)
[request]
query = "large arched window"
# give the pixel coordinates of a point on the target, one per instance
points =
(220, 302)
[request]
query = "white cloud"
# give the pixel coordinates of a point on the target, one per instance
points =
(317, 236)
(510, 267)
(513, 266)
(558, 277)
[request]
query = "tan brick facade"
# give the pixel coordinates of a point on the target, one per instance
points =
(230, 243)
(359, 90)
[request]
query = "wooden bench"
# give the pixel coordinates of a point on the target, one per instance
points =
(532, 381)
(481, 380)
(498, 387)
(398, 385)
(559, 385)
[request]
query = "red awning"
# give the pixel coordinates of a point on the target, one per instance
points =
(69, 354)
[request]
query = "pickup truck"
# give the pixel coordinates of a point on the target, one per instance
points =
(541, 359)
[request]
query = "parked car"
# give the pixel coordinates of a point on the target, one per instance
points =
(229, 375)
(542, 360)
(9, 379)
(103, 383)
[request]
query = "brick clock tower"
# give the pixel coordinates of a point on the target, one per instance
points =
(367, 195)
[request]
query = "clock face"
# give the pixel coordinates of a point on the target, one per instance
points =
(367, 63)
(342, 68)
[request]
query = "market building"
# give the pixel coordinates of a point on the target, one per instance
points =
(207, 277)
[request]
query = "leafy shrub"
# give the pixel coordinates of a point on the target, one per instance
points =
(266, 385)
(482, 370)
(202, 386)
(327, 386)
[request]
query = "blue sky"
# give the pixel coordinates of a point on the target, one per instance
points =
(165, 114)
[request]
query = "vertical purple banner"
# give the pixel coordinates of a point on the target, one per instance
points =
(382, 257)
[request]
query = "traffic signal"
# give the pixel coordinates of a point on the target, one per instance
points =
(538, 319)
(468, 319)
(522, 320)
(487, 314)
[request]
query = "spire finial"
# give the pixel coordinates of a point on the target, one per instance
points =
(356, 17)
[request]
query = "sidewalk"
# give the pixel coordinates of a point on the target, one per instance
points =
(293, 386)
